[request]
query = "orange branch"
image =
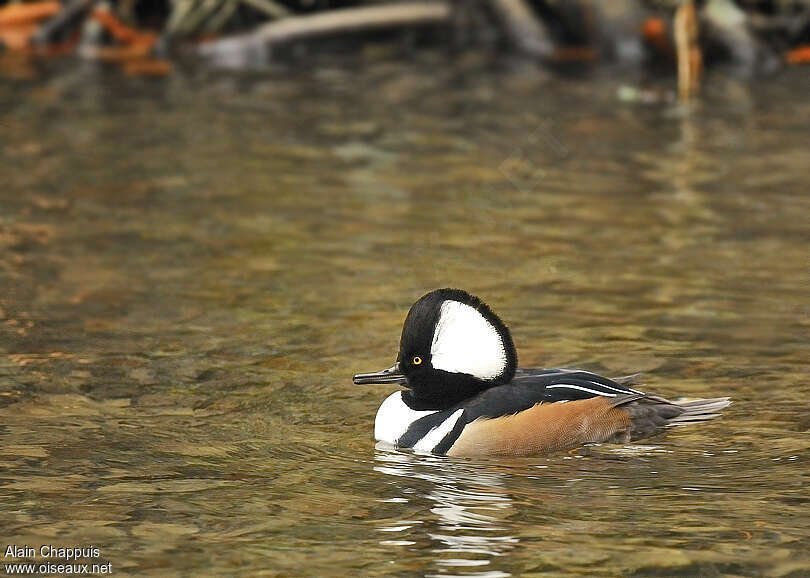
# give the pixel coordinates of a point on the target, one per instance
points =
(800, 55)
(121, 32)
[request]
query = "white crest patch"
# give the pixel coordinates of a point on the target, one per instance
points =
(465, 342)
(394, 418)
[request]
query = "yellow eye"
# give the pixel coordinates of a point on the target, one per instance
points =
(417, 360)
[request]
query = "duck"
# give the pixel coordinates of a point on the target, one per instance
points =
(464, 394)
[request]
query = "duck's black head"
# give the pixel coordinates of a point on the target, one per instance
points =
(452, 347)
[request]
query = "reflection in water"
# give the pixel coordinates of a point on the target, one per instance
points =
(468, 510)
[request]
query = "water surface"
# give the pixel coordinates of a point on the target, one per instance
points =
(192, 270)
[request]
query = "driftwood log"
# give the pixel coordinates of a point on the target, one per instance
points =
(253, 48)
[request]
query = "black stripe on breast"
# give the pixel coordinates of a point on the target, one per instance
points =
(447, 441)
(421, 427)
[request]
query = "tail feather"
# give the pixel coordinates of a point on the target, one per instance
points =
(698, 410)
(651, 414)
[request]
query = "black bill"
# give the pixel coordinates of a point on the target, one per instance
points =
(390, 375)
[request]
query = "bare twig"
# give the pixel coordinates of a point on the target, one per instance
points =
(268, 7)
(220, 19)
(526, 32)
(71, 15)
(690, 60)
(180, 13)
(193, 20)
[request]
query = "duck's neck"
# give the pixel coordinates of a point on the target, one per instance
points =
(445, 392)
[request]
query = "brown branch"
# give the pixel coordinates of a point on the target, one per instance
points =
(690, 60)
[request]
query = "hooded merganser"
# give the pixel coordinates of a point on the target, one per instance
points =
(466, 396)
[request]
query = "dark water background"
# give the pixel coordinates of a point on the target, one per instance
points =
(192, 269)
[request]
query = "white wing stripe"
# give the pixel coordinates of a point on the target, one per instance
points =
(623, 390)
(579, 387)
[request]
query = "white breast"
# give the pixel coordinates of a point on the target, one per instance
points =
(394, 418)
